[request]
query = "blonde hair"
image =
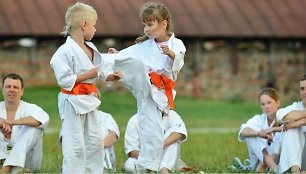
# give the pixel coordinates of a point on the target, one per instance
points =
(77, 13)
(155, 11)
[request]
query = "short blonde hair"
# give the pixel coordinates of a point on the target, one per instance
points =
(77, 13)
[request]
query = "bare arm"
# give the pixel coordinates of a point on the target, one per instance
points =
(295, 115)
(265, 133)
(112, 50)
(27, 121)
(92, 73)
(173, 137)
(273, 129)
(110, 139)
(295, 124)
(248, 132)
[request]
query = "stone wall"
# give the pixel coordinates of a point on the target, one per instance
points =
(239, 72)
(227, 71)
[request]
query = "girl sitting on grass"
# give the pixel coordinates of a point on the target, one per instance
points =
(262, 133)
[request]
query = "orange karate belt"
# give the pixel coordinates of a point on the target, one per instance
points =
(81, 89)
(163, 82)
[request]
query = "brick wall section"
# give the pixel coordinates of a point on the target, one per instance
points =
(222, 76)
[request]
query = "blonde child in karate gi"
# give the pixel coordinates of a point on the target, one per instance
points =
(162, 55)
(111, 135)
(21, 126)
(293, 142)
(77, 64)
(262, 133)
(175, 134)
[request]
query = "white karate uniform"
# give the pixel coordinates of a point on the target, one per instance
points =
(109, 124)
(81, 133)
(256, 144)
(171, 154)
(151, 102)
(293, 140)
(26, 142)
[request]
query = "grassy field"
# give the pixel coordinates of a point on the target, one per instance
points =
(212, 128)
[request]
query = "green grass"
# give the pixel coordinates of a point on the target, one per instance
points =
(208, 151)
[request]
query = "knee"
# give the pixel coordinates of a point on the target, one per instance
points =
(31, 131)
(130, 165)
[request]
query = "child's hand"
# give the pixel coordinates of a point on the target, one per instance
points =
(167, 51)
(112, 50)
(294, 124)
(117, 75)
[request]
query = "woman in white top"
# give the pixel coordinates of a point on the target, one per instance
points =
(262, 133)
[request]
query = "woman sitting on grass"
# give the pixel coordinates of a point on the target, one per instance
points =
(262, 133)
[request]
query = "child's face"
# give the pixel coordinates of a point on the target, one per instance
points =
(89, 29)
(154, 29)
